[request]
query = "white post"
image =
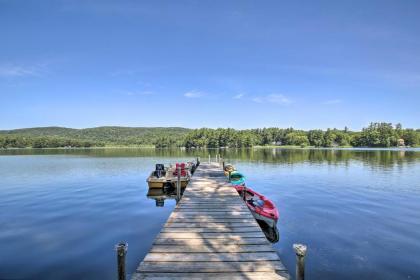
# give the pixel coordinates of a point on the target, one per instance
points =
(300, 251)
(178, 185)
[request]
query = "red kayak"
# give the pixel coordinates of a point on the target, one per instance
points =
(261, 207)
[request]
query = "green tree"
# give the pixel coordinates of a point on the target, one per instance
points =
(296, 138)
(379, 135)
(316, 138)
(411, 137)
(330, 138)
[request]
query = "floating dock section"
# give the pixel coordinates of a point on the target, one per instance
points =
(211, 234)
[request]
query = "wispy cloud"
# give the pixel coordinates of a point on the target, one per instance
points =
(136, 93)
(278, 99)
(273, 98)
(239, 96)
(332, 101)
(19, 71)
(194, 94)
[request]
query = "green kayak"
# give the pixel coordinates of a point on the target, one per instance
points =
(237, 178)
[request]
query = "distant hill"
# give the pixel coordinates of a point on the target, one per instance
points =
(375, 135)
(108, 135)
(40, 131)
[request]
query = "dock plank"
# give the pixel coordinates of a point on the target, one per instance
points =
(211, 257)
(202, 219)
(222, 266)
(214, 276)
(211, 248)
(207, 214)
(208, 235)
(213, 242)
(182, 224)
(209, 230)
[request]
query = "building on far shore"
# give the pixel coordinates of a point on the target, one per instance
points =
(401, 142)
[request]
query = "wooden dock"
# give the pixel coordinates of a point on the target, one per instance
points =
(211, 234)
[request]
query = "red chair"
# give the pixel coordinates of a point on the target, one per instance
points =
(183, 172)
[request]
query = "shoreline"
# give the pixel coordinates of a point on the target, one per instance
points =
(286, 147)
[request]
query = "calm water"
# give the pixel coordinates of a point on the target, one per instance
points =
(62, 211)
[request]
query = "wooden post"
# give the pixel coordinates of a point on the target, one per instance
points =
(209, 159)
(178, 186)
(300, 251)
(121, 252)
(198, 161)
(223, 165)
(229, 174)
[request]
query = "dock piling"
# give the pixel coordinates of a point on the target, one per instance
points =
(178, 185)
(300, 251)
(121, 249)
(209, 159)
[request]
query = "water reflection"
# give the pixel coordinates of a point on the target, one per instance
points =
(160, 195)
(271, 233)
(376, 158)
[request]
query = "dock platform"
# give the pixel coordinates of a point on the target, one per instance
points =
(211, 234)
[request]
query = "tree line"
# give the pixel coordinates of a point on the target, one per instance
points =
(19, 141)
(375, 135)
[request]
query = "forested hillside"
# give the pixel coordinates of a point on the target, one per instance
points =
(42, 137)
(375, 135)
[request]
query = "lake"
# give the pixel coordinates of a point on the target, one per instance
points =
(62, 211)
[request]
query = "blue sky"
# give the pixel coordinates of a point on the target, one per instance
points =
(241, 64)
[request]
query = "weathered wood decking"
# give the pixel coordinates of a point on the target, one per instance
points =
(211, 234)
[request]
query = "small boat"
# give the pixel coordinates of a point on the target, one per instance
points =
(237, 178)
(167, 178)
(229, 168)
(172, 175)
(157, 178)
(261, 207)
